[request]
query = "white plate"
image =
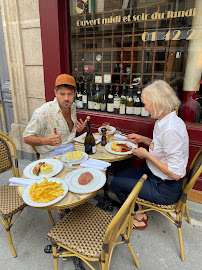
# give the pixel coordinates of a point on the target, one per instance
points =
(76, 161)
(110, 131)
(28, 201)
(99, 179)
(129, 144)
(80, 138)
(57, 167)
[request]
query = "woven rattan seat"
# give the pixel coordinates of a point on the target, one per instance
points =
(163, 206)
(178, 208)
(70, 231)
(10, 202)
(91, 234)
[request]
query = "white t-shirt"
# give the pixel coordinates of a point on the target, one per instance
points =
(170, 145)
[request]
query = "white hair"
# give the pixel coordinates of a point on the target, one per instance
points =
(162, 96)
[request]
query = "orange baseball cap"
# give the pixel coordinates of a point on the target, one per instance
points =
(65, 79)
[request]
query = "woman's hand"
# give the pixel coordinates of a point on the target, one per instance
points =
(80, 125)
(134, 137)
(141, 152)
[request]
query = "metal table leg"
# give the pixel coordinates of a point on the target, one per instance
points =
(105, 202)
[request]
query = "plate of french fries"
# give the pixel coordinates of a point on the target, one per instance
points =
(45, 192)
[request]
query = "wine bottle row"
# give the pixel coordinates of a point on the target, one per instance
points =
(110, 100)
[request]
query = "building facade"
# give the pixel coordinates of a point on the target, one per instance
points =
(109, 44)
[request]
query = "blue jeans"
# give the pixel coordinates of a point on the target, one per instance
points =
(154, 189)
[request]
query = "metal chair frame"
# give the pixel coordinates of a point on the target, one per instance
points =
(178, 208)
(6, 145)
(119, 225)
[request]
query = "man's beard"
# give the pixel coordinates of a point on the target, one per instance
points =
(66, 104)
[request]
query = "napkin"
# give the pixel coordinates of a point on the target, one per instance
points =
(97, 164)
(62, 149)
(119, 137)
(24, 182)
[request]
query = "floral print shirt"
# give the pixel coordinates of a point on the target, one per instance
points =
(43, 122)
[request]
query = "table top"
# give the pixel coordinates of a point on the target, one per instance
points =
(74, 199)
(101, 152)
(71, 199)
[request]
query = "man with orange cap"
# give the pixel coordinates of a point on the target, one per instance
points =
(54, 124)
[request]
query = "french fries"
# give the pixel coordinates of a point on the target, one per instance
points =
(46, 191)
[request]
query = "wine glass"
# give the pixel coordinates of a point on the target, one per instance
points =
(68, 164)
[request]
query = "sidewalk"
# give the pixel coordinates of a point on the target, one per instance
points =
(157, 247)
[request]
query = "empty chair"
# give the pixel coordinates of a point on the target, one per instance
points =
(178, 208)
(10, 202)
(91, 234)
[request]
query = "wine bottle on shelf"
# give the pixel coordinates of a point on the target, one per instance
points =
(110, 100)
(138, 103)
(130, 102)
(117, 101)
(89, 143)
(103, 102)
(123, 100)
(97, 99)
(79, 102)
(85, 97)
(90, 98)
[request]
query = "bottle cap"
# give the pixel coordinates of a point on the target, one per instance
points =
(88, 117)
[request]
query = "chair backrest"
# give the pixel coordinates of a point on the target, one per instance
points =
(122, 220)
(194, 172)
(192, 175)
(7, 148)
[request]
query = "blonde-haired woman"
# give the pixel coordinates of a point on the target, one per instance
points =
(167, 156)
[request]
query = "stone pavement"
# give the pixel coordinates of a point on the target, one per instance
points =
(157, 247)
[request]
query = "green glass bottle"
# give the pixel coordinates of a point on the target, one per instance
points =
(89, 143)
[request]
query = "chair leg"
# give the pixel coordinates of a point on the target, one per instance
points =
(181, 244)
(51, 217)
(133, 254)
(9, 238)
(187, 212)
(55, 259)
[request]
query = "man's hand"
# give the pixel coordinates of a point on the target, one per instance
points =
(80, 125)
(141, 152)
(54, 139)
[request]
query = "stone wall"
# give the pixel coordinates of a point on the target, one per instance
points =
(22, 33)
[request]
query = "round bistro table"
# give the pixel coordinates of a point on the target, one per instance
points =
(71, 199)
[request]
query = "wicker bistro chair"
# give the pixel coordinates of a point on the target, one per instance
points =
(91, 234)
(178, 208)
(10, 202)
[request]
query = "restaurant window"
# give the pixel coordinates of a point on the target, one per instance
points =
(121, 46)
